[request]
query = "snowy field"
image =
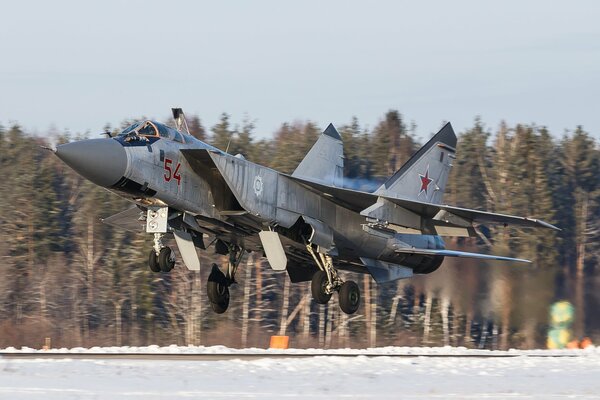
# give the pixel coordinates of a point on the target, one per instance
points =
(530, 375)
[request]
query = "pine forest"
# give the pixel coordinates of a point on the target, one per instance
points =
(67, 276)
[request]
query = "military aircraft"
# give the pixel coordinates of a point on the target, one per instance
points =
(306, 223)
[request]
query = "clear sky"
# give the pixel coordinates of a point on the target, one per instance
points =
(78, 65)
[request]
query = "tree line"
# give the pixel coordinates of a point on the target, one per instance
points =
(67, 276)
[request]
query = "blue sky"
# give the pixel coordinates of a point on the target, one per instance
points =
(78, 65)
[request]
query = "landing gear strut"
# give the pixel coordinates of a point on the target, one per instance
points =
(217, 286)
(161, 257)
(326, 281)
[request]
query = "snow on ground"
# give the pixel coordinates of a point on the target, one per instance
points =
(390, 350)
(299, 378)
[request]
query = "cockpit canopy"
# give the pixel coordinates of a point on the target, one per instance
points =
(152, 128)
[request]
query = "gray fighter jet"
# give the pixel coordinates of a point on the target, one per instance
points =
(305, 223)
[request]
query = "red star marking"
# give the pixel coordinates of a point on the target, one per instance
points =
(425, 181)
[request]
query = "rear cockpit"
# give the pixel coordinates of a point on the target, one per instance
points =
(146, 130)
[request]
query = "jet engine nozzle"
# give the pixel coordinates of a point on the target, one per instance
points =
(102, 161)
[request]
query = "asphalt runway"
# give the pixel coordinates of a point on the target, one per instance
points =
(253, 356)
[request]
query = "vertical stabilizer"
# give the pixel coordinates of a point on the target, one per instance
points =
(425, 174)
(324, 163)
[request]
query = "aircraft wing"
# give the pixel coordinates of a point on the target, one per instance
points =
(351, 199)
(456, 253)
(416, 214)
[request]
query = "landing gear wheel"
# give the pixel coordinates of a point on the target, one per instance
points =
(217, 289)
(318, 286)
(153, 261)
(165, 261)
(349, 297)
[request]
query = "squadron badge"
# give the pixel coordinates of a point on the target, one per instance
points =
(258, 186)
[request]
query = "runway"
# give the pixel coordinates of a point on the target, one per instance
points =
(218, 372)
(257, 356)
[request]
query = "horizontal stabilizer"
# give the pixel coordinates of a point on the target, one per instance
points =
(464, 217)
(455, 253)
(484, 217)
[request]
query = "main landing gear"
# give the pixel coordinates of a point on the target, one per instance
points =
(161, 257)
(326, 281)
(217, 286)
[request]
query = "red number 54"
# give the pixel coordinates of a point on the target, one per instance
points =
(169, 173)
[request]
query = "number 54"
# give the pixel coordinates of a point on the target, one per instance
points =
(169, 173)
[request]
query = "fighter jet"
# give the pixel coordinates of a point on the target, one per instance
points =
(305, 223)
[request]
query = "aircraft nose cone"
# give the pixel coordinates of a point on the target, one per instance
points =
(102, 161)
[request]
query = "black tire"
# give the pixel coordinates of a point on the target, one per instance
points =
(164, 260)
(317, 287)
(153, 261)
(349, 297)
(217, 289)
(220, 308)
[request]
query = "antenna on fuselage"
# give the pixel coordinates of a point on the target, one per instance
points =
(180, 122)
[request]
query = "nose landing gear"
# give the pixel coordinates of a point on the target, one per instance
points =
(161, 257)
(153, 261)
(166, 259)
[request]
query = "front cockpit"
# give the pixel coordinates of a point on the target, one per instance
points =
(147, 130)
